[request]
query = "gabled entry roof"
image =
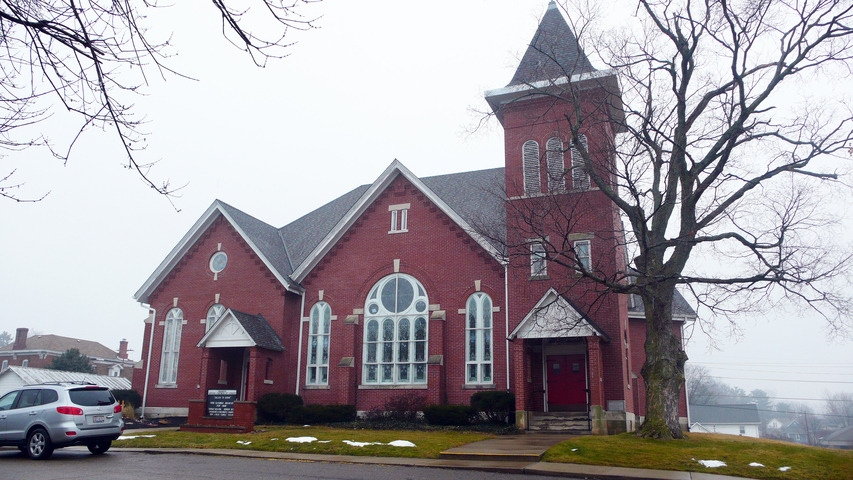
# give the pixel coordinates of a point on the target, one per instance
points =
(554, 316)
(238, 329)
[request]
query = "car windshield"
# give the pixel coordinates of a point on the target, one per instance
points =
(90, 397)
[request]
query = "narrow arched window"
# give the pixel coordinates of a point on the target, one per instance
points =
(318, 344)
(213, 314)
(171, 346)
(478, 342)
(580, 179)
(396, 332)
(530, 166)
(556, 166)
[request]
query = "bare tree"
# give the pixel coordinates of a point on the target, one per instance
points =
(839, 408)
(721, 155)
(90, 56)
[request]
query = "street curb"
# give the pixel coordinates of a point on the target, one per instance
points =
(588, 472)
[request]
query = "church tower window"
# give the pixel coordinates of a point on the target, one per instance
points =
(556, 166)
(580, 179)
(530, 166)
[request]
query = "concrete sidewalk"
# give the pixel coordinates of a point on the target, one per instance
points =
(518, 454)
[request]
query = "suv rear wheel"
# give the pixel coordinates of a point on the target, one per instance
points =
(99, 447)
(38, 444)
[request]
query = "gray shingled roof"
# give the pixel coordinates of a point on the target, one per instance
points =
(33, 376)
(303, 234)
(57, 343)
(680, 307)
(724, 414)
(266, 237)
(259, 330)
(553, 53)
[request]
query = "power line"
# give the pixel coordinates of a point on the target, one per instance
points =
(773, 398)
(742, 407)
(781, 380)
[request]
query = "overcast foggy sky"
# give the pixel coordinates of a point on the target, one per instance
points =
(379, 80)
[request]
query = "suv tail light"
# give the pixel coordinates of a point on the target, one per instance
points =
(117, 408)
(69, 410)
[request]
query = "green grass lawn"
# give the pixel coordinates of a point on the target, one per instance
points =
(806, 463)
(273, 439)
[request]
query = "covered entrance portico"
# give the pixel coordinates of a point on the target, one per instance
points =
(561, 363)
(237, 358)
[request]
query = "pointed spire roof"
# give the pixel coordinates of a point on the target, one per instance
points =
(553, 53)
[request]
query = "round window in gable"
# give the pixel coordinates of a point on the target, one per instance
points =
(218, 262)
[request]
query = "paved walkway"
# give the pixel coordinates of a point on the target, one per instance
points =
(518, 454)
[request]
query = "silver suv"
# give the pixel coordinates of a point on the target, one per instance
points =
(39, 418)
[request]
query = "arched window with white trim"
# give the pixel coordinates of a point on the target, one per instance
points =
(396, 332)
(171, 346)
(319, 328)
(213, 314)
(478, 339)
(530, 167)
(555, 165)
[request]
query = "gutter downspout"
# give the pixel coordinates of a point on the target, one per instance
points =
(299, 350)
(506, 321)
(153, 312)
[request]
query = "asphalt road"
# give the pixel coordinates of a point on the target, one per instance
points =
(76, 463)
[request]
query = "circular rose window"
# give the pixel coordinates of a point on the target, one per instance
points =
(218, 262)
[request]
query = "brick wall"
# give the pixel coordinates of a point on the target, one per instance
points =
(440, 255)
(245, 285)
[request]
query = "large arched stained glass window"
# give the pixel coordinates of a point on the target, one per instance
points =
(318, 344)
(395, 332)
(478, 339)
(171, 346)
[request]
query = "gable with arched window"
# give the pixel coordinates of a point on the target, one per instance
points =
(396, 332)
(171, 346)
(478, 339)
(319, 329)
(530, 167)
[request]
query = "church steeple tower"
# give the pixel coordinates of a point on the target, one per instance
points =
(553, 52)
(554, 81)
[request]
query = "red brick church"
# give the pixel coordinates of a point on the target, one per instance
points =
(433, 285)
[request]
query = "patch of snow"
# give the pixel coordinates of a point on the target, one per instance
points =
(784, 469)
(360, 444)
(275, 438)
(755, 464)
(712, 463)
(244, 442)
(306, 425)
(574, 449)
(128, 437)
(301, 439)
(324, 441)
(402, 443)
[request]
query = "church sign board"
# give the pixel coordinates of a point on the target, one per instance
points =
(220, 403)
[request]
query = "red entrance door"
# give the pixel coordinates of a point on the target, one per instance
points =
(566, 375)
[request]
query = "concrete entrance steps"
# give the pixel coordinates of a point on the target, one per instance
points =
(527, 447)
(574, 423)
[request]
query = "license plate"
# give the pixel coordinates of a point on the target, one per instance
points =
(99, 419)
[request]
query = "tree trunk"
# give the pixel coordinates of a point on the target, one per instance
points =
(663, 372)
